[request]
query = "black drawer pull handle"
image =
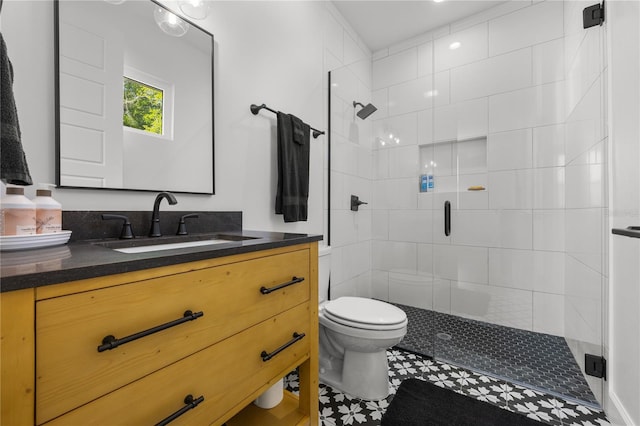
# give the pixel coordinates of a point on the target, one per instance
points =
(190, 403)
(266, 356)
(294, 280)
(110, 342)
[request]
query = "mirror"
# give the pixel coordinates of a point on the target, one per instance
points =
(134, 102)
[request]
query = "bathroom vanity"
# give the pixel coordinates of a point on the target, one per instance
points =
(188, 336)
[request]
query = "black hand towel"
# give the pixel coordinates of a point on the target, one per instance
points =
(13, 162)
(293, 168)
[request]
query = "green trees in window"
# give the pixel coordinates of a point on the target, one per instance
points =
(142, 106)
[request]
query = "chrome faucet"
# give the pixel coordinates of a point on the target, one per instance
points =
(155, 217)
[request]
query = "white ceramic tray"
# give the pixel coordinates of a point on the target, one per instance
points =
(24, 242)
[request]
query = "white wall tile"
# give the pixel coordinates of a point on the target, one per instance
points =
(548, 188)
(444, 160)
(473, 200)
(425, 59)
(353, 53)
(445, 126)
(516, 229)
(403, 161)
(398, 68)
(333, 33)
(535, 106)
(461, 263)
(380, 285)
(380, 224)
(584, 125)
(425, 126)
(511, 189)
(491, 76)
(380, 98)
(512, 268)
(473, 47)
(496, 305)
(471, 156)
(548, 313)
(548, 272)
(396, 131)
(381, 163)
(584, 186)
(411, 289)
(395, 194)
(442, 296)
(411, 96)
(394, 256)
(472, 119)
(425, 259)
(548, 146)
(548, 230)
(584, 230)
(475, 227)
(410, 225)
(528, 26)
(441, 89)
(548, 62)
(510, 150)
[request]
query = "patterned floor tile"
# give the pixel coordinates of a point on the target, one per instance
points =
(337, 409)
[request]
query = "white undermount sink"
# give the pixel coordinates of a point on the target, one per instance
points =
(170, 246)
(146, 244)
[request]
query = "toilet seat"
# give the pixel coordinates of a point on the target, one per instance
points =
(365, 314)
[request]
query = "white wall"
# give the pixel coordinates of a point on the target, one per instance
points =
(257, 60)
(624, 277)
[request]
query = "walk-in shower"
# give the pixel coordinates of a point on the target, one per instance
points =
(510, 129)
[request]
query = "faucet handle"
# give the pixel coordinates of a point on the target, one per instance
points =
(182, 226)
(127, 231)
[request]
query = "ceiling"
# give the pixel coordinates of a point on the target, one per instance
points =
(382, 23)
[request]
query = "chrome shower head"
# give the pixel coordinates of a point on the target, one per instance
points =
(366, 111)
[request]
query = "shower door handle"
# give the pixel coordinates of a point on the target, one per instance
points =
(630, 231)
(447, 218)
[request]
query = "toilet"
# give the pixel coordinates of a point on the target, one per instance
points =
(355, 334)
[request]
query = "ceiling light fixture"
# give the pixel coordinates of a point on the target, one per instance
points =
(196, 9)
(169, 22)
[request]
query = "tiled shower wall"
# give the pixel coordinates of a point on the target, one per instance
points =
(351, 157)
(516, 252)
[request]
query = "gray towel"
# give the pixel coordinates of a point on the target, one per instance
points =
(293, 168)
(13, 162)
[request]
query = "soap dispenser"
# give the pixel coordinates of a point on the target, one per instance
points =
(17, 213)
(48, 210)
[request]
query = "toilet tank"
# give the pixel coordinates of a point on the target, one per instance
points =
(324, 271)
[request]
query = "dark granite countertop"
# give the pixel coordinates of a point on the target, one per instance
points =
(84, 259)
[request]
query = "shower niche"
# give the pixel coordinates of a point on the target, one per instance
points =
(453, 166)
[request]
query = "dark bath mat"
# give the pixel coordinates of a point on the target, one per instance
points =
(420, 403)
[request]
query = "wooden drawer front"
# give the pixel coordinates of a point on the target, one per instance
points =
(223, 374)
(69, 369)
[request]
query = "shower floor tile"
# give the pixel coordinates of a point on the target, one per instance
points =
(541, 361)
(336, 408)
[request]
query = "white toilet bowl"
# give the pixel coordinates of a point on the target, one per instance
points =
(355, 334)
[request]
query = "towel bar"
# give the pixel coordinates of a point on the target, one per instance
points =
(255, 109)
